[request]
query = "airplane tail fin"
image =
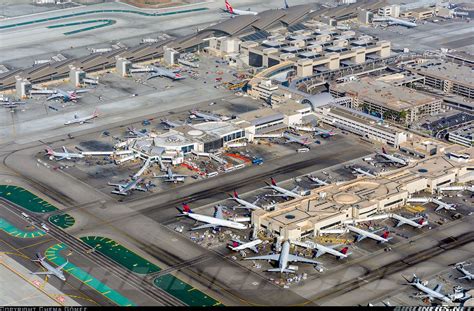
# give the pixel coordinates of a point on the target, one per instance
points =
(384, 151)
(186, 208)
(273, 181)
(49, 150)
(344, 250)
(385, 235)
(234, 245)
(236, 195)
(96, 113)
(422, 221)
(229, 7)
(286, 5)
(39, 257)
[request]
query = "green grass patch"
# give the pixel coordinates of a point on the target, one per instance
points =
(53, 255)
(16, 232)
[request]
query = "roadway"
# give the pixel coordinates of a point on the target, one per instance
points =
(116, 276)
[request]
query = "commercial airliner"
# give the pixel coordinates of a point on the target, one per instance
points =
(159, 72)
(62, 155)
(51, 270)
(125, 189)
(238, 245)
(234, 12)
(391, 158)
(283, 259)
(60, 94)
(207, 116)
(429, 293)
(83, 119)
(302, 140)
(460, 266)
(211, 222)
(243, 203)
(171, 177)
(416, 222)
(323, 249)
(362, 234)
(282, 191)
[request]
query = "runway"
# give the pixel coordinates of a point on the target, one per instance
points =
(24, 44)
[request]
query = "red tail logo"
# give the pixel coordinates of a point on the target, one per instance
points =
(385, 234)
(49, 151)
(421, 221)
(186, 208)
(236, 195)
(273, 181)
(344, 250)
(235, 244)
(229, 7)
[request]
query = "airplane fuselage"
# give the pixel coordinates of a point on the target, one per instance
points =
(367, 234)
(216, 221)
(431, 292)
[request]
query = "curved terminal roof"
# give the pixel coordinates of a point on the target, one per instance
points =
(267, 18)
(318, 100)
(295, 13)
(234, 25)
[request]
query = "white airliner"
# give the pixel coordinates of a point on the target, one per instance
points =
(234, 12)
(83, 119)
(315, 130)
(460, 266)
(283, 259)
(207, 116)
(441, 204)
(282, 191)
(171, 177)
(361, 171)
(60, 94)
(429, 293)
(417, 222)
(362, 234)
(291, 138)
(211, 222)
(245, 204)
(238, 245)
(159, 72)
(125, 189)
(62, 155)
(323, 249)
(391, 158)
(51, 270)
(317, 181)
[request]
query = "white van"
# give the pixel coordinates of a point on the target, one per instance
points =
(212, 174)
(302, 150)
(25, 215)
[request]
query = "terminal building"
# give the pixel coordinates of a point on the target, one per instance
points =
(330, 206)
(463, 136)
(361, 124)
(387, 101)
(450, 77)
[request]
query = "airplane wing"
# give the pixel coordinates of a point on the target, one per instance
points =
(54, 96)
(154, 75)
(266, 257)
(438, 288)
(302, 259)
(61, 158)
(277, 195)
(115, 185)
(43, 273)
(62, 266)
(161, 176)
(40, 92)
(141, 189)
(81, 91)
(254, 249)
(204, 226)
(219, 213)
